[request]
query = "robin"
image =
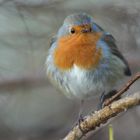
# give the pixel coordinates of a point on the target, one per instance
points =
(83, 60)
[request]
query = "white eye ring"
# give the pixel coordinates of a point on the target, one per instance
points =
(71, 30)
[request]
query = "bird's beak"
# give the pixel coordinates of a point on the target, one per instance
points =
(83, 28)
(86, 30)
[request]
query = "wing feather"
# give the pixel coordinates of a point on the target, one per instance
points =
(109, 39)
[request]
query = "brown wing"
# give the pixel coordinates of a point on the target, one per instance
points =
(109, 39)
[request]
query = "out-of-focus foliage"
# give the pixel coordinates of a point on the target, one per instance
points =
(30, 108)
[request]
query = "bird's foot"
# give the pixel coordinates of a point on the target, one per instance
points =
(105, 97)
(80, 120)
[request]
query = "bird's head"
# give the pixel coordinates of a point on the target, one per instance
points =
(76, 43)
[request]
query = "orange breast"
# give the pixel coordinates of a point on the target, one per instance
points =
(78, 49)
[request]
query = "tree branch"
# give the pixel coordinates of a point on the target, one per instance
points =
(94, 120)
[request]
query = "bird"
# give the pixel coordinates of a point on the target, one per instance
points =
(83, 60)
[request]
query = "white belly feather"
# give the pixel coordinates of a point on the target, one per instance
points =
(82, 84)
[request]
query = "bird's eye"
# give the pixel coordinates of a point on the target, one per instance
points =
(72, 30)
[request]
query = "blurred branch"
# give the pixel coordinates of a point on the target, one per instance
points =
(21, 15)
(97, 118)
(23, 82)
(91, 122)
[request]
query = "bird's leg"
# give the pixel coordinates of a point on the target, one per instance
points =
(101, 101)
(104, 97)
(80, 116)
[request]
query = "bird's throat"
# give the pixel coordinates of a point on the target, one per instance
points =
(79, 49)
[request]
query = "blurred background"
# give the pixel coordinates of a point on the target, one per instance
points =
(30, 107)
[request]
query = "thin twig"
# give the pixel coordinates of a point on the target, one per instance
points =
(123, 89)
